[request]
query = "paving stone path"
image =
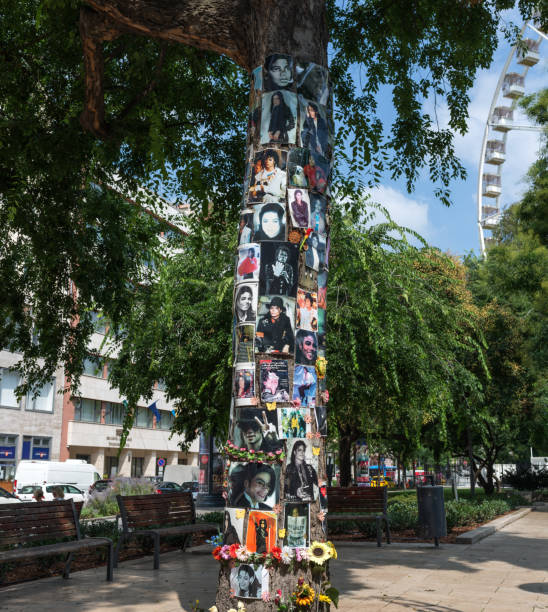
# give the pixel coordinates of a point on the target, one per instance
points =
(506, 572)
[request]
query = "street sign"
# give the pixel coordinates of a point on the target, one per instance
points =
(161, 462)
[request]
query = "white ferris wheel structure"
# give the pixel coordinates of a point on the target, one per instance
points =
(500, 121)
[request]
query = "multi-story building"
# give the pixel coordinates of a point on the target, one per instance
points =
(56, 426)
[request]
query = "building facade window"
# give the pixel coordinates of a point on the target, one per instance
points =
(43, 400)
(86, 458)
(137, 467)
(99, 323)
(8, 383)
(114, 413)
(111, 466)
(8, 449)
(35, 448)
(93, 367)
(87, 410)
(166, 422)
(143, 418)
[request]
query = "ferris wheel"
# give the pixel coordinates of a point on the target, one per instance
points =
(500, 121)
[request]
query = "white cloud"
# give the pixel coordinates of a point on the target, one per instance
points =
(405, 211)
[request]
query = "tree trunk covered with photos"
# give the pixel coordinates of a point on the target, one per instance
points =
(276, 470)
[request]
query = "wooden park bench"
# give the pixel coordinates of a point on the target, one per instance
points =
(27, 529)
(168, 514)
(359, 504)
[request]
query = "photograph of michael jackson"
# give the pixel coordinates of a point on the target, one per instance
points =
(279, 118)
(255, 429)
(275, 332)
(253, 485)
(301, 474)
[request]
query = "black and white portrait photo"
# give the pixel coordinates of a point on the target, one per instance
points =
(233, 526)
(255, 429)
(269, 222)
(267, 181)
(301, 474)
(299, 207)
(306, 351)
(249, 259)
(312, 82)
(314, 129)
(253, 485)
(297, 525)
(245, 229)
(278, 72)
(279, 267)
(249, 583)
(245, 302)
(278, 118)
(275, 332)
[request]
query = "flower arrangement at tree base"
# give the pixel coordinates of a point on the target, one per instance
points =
(304, 596)
(231, 451)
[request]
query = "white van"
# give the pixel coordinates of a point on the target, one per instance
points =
(76, 472)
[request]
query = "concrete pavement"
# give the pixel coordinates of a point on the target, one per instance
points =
(506, 572)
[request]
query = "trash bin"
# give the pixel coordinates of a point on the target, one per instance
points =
(432, 522)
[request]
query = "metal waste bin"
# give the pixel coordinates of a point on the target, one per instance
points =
(432, 522)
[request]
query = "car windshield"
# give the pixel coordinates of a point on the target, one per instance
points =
(28, 490)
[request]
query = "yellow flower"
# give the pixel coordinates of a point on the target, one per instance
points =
(213, 609)
(232, 610)
(333, 551)
(324, 598)
(241, 606)
(319, 552)
(305, 596)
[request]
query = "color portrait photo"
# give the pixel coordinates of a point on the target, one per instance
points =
(275, 332)
(248, 264)
(318, 210)
(307, 312)
(279, 118)
(267, 181)
(249, 583)
(244, 336)
(253, 485)
(261, 531)
(304, 385)
(244, 384)
(321, 419)
(299, 207)
(306, 352)
(314, 129)
(245, 229)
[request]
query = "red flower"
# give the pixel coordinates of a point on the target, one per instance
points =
(233, 549)
(276, 553)
(216, 553)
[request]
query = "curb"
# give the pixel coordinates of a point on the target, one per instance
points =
(474, 536)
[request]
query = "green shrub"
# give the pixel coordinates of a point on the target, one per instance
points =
(403, 514)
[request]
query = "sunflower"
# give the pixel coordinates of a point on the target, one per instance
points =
(324, 598)
(319, 553)
(304, 596)
(333, 551)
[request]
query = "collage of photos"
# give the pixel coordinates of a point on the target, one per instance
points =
(279, 317)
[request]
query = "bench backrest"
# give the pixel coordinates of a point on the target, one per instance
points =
(144, 511)
(357, 499)
(30, 522)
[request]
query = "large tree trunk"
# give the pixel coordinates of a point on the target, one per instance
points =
(248, 32)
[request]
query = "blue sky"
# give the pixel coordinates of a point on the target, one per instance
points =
(454, 229)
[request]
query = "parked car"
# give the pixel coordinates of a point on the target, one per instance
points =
(100, 485)
(193, 486)
(382, 481)
(168, 487)
(8, 498)
(26, 493)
